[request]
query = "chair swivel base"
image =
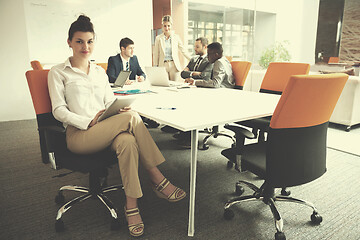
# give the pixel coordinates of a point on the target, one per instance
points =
(215, 133)
(59, 199)
(268, 197)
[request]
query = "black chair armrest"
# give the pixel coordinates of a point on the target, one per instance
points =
(55, 138)
(57, 129)
(240, 131)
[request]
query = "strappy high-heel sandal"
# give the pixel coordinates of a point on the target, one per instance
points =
(175, 196)
(133, 228)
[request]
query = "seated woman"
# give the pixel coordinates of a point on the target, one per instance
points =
(79, 92)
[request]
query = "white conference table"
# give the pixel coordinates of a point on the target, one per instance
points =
(193, 109)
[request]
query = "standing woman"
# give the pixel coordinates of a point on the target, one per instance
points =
(167, 46)
(79, 92)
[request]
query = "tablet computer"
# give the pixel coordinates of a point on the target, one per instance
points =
(118, 104)
(121, 79)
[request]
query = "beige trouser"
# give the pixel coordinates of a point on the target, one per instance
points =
(128, 136)
(174, 74)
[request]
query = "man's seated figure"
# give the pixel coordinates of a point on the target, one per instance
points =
(127, 61)
(221, 75)
(199, 67)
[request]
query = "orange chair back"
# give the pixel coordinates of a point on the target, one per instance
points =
(36, 65)
(38, 85)
(333, 60)
(103, 65)
(279, 73)
(240, 71)
(308, 100)
(229, 58)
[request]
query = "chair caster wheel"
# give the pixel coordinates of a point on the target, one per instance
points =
(115, 224)
(280, 236)
(228, 214)
(229, 165)
(239, 190)
(59, 226)
(285, 192)
(60, 199)
(205, 147)
(316, 218)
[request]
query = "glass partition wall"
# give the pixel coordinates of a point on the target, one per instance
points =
(233, 27)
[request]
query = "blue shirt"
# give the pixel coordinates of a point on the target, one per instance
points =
(168, 51)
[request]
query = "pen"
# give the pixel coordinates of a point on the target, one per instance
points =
(166, 108)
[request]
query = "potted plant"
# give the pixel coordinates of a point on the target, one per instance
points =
(275, 53)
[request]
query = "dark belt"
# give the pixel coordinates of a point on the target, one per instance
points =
(168, 60)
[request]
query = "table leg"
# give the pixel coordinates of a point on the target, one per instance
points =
(194, 148)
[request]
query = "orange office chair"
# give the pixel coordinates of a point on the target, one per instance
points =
(36, 65)
(274, 82)
(229, 58)
(240, 70)
(54, 150)
(103, 65)
(334, 60)
(295, 151)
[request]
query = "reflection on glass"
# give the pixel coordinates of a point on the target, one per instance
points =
(209, 25)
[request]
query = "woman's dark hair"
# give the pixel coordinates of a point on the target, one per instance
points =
(82, 24)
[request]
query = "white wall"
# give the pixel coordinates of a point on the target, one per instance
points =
(297, 22)
(37, 29)
(264, 32)
(15, 101)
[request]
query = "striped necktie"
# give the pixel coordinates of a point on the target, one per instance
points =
(127, 66)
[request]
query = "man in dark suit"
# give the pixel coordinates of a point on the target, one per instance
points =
(199, 66)
(125, 61)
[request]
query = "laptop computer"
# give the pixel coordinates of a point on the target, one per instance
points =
(121, 79)
(158, 76)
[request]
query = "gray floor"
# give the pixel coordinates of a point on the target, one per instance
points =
(27, 191)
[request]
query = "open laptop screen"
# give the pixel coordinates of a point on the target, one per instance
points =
(121, 79)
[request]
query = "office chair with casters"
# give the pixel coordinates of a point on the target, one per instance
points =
(240, 71)
(276, 77)
(295, 150)
(54, 150)
(36, 65)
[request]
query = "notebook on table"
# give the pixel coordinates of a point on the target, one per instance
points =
(158, 76)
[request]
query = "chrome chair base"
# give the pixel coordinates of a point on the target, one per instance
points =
(89, 193)
(269, 197)
(214, 132)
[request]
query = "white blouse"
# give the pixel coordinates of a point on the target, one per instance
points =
(77, 97)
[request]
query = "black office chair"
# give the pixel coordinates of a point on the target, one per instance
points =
(295, 150)
(54, 150)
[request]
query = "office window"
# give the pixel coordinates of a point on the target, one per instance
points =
(232, 27)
